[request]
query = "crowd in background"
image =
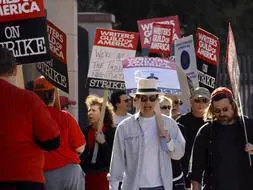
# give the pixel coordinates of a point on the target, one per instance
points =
(140, 141)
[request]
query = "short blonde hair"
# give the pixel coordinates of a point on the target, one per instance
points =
(96, 100)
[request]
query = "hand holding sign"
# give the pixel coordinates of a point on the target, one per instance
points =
(163, 132)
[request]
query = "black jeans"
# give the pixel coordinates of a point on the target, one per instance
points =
(22, 186)
(179, 184)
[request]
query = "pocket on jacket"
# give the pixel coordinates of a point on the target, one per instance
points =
(132, 145)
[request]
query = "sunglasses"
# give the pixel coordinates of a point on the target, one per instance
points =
(151, 98)
(216, 110)
(165, 107)
(201, 100)
(176, 102)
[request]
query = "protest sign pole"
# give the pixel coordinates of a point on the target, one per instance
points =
(100, 124)
(234, 76)
(57, 103)
(161, 128)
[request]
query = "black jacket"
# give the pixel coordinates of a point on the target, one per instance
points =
(191, 125)
(103, 156)
(205, 158)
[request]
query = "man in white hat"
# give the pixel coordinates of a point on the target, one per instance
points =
(138, 159)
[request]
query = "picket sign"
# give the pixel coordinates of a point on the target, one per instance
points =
(234, 76)
(57, 103)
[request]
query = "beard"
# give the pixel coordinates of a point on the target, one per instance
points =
(225, 120)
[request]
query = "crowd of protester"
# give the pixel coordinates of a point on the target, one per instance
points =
(139, 141)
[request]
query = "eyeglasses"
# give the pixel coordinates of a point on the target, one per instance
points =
(165, 107)
(151, 98)
(126, 100)
(176, 102)
(201, 100)
(216, 110)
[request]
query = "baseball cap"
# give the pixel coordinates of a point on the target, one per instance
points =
(66, 101)
(41, 84)
(222, 90)
(201, 92)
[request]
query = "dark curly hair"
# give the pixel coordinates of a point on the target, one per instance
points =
(115, 98)
(96, 100)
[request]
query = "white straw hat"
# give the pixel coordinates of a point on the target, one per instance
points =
(146, 87)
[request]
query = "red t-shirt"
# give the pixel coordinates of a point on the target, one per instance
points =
(23, 119)
(71, 138)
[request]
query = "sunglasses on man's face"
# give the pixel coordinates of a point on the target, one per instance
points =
(151, 98)
(201, 100)
(165, 107)
(218, 111)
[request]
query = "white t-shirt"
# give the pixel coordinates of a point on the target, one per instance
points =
(150, 176)
(119, 118)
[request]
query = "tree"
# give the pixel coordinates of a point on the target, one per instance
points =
(211, 15)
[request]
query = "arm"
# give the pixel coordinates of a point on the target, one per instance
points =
(76, 137)
(198, 161)
(195, 185)
(105, 143)
(45, 128)
(118, 161)
(176, 144)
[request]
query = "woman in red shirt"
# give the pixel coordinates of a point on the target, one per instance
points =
(96, 163)
(62, 169)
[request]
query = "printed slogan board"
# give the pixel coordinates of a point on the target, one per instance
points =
(23, 29)
(163, 70)
(55, 70)
(146, 27)
(161, 39)
(186, 60)
(207, 53)
(110, 47)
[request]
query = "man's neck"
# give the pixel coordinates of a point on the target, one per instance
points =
(8, 79)
(197, 115)
(147, 115)
(120, 112)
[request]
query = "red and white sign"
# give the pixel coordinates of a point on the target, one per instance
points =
(57, 42)
(161, 39)
(110, 47)
(116, 39)
(146, 27)
(207, 46)
(11, 10)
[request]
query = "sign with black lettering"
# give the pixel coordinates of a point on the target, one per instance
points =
(23, 29)
(207, 53)
(55, 70)
(110, 47)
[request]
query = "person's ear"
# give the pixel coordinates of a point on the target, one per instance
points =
(15, 70)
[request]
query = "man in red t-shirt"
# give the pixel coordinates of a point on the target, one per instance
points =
(62, 169)
(26, 129)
